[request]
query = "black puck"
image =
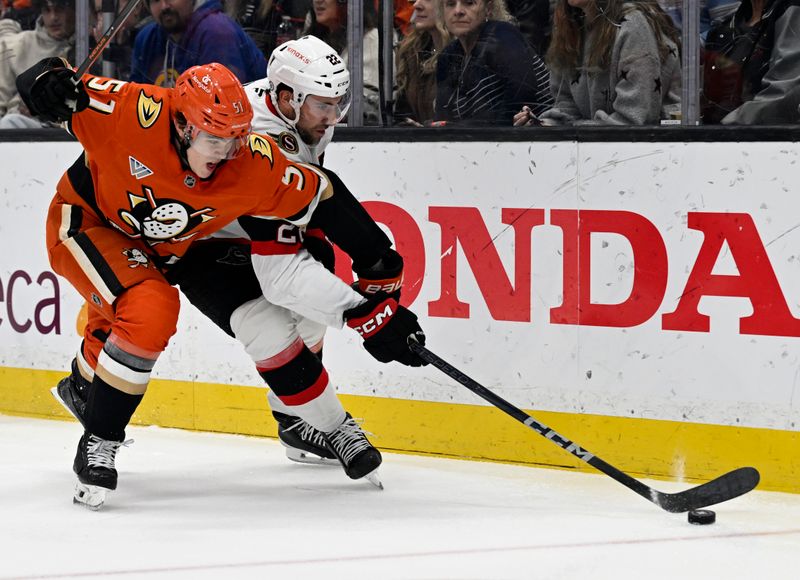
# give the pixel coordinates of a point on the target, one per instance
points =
(702, 517)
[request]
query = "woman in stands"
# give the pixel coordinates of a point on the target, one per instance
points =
(417, 56)
(328, 22)
(612, 63)
(489, 71)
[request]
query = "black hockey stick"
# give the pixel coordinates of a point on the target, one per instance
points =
(725, 487)
(104, 40)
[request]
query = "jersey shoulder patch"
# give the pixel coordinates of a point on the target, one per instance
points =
(260, 145)
(148, 109)
(288, 142)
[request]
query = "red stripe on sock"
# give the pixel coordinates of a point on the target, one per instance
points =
(309, 394)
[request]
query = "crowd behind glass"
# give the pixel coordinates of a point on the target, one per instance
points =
(497, 63)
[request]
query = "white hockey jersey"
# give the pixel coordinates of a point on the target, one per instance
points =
(293, 279)
(266, 120)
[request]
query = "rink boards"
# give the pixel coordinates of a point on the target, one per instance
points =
(640, 298)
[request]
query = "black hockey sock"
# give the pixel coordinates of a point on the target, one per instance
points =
(109, 410)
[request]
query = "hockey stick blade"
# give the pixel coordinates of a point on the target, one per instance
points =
(725, 487)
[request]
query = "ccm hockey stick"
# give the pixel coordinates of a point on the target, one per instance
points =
(102, 43)
(725, 487)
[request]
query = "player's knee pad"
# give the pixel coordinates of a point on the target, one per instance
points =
(147, 315)
(312, 333)
(265, 330)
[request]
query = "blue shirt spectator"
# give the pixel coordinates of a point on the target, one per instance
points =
(183, 36)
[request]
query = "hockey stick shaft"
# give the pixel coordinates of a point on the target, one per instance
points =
(104, 40)
(723, 488)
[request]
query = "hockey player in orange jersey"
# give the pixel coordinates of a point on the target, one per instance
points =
(161, 169)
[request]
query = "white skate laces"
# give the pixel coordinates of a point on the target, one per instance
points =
(348, 440)
(101, 452)
(308, 433)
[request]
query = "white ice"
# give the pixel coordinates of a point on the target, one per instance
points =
(200, 506)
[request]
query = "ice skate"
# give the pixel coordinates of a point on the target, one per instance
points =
(303, 443)
(72, 392)
(94, 466)
(357, 455)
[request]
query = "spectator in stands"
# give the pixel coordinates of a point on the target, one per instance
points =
(263, 21)
(752, 65)
(54, 35)
(416, 64)
(328, 22)
(612, 63)
(711, 12)
(185, 34)
(489, 71)
(120, 50)
(18, 15)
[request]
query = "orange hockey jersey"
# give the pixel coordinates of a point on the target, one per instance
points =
(132, 177)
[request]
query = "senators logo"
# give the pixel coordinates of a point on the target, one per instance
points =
(288, 142)
(148, 110)
(260, 145)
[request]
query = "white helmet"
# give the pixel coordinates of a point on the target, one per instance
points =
(308, 66)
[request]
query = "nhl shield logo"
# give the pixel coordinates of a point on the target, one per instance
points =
(148, 109)
(189, 181)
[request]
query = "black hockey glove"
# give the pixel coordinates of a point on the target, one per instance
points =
(384, 276)
(320, 248)
(385, 327)
(49, 93)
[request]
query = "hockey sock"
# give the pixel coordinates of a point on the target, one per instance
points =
(109, 410)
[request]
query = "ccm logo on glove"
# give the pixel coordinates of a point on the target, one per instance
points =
(372, 323)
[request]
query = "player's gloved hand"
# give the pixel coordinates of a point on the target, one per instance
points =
(49, 92)
(384, 276)
(316, 244)
(385, 327)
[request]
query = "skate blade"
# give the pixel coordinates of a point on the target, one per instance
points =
(300, 456)
(372, 477)
(90, 496)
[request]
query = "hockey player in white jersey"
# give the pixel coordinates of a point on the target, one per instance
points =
(305, 94)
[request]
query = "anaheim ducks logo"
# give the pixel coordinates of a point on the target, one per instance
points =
(148, 110)
(260, 145)
(161, 220)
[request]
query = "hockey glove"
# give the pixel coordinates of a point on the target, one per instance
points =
(320, 248)
(384, 276)
(385, 327)
(49, 92)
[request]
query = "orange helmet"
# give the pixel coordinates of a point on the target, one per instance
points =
(212, 99)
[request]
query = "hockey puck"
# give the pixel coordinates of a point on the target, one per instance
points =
(702, 517)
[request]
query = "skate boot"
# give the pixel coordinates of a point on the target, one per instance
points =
(94, 466)
(359, 458)
(72, 392)
(303, 443)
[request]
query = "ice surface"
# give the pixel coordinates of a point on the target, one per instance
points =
(200, 506)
